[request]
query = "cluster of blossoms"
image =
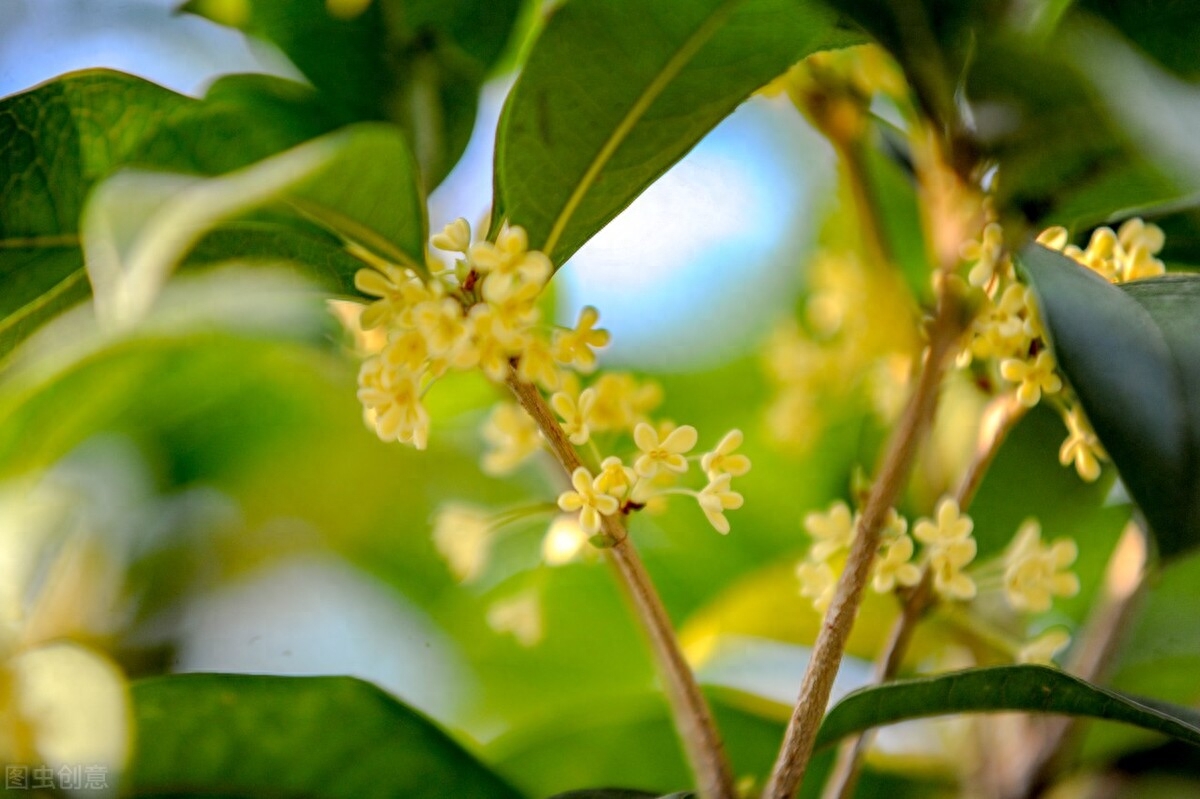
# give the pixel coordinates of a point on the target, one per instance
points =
(482, 313)
(1029, 574)
(858, 337)
(1007, 338)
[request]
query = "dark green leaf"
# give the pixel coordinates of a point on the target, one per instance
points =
(419, 63)
(1132, 354)
(1164, 29)
(617, 793)
(615, 91)
(319, 737)
(1032, 689)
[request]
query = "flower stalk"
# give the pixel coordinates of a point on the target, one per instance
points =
(694, 722)
(794, 755)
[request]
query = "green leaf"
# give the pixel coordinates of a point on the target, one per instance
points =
(320, 737)
(1161, 28)
(1033, 689)
(69, 134)
(419, 63)
(1132, 354)
(616, 91)
(617, 793)
(139, 225)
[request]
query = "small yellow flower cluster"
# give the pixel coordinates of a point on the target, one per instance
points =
(480, 314)
(1033, 573)
(662, 458)
(1008, 336)
(1128, 253)
(832, 532)
(859, 335)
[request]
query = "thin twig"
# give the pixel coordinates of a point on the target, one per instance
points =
(999, 418)
(693, 718)
(830, 645)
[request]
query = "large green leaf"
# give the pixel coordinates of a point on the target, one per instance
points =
(63, 137)
(318, 737)
(615, 91)
(419, 63)
(1033, 689)
(1132, 354)
(1161, 28)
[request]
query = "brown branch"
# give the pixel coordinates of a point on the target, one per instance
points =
(830, 645)
(999, 418)
(693, 719)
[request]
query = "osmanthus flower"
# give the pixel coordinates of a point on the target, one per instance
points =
(725, 459)
(462, 535)
(832, 531)
(986, 254)
(893, 566)
(514, 437)
(520, 616)
(666, 453)
(588, 500)
(1082, 447)
(1043, 649)
(576, 348)
(574, 409)
(948, 543)
(392, 398)
(622, 402)
(1034, 573)
(817, 582)
(509, 262)
(716, 498)
(615, 478)
(1005, 328)
(1035, 377)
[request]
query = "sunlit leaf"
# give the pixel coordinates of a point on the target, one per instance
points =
(1132, 354)
(1032, 689)
(67, 135)
(615, 91)
(321, 737)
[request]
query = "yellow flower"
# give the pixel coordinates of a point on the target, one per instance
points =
(407, 350)
(986, 253)
(442, 324)
(1035, 377)
(716, 498)
(490, 351)
(1054, 237)
(1045, 647)
(817, 582)
(520, 616)
(455, 237)
(951, 526)
(1135, 233)
(950, 547)
(396, 290)
(393, 398)
(665, 454)
(575, 347)
(1034, 574)
(724, 459)
(895, 567)
(509, 263)
(947, 563)
(590, 502)
(514, 437)
(537, 364)
(574, 413)
(463, 536)
(615, 477)
(833, 530)
(1082, 446)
